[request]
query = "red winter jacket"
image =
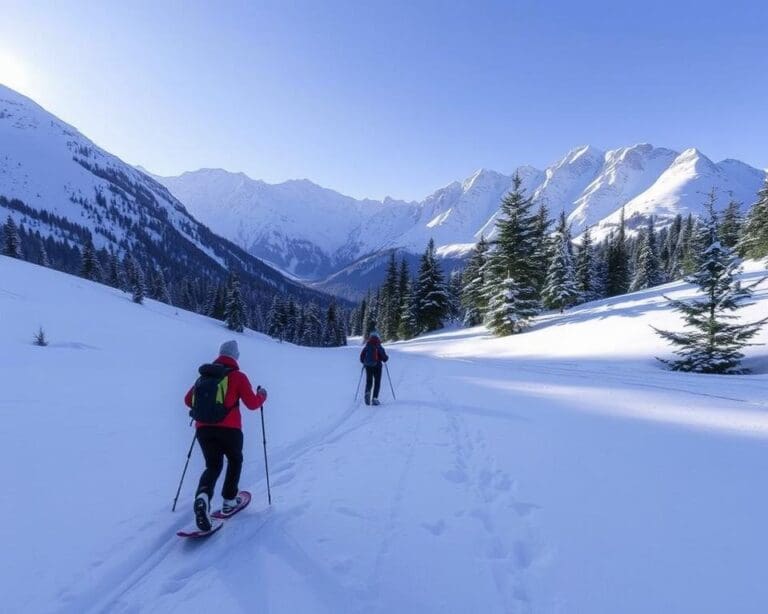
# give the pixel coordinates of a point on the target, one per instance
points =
(238, 389)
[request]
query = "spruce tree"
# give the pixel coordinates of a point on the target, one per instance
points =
(587, 283)
(510, 254)
(669, 248)
(331, 333)
(560, 289)
(648, 270)
(431, 293)
(89, 266)
(455, 309)
(689, 248)
(235, 312)
(114, 273)
(273, 318)
(354, 318)
(543, 248)
(617, 274)
(138, 288)
(713, 344)
(313, 326)
(409, 325)
(160, 287)
(473, 297)
(11, 239)
(754, 240)
(291, 319)
(210, 299)
(370, 315)
(389, 301)
(363, 312)
(730, 226)
(43, 257)
(298, 328)
(403, 284)
(129, 272)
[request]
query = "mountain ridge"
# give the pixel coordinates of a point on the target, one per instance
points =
(589, 184)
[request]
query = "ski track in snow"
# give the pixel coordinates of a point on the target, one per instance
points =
(145, 561)
(166, 568)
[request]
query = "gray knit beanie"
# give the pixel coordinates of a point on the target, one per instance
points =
(229, 348)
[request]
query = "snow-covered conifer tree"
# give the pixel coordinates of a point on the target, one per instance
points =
(617, 273)
(587, 276)
(431, 293)
(235, 312)
(560, 290)
(754, 239)
(138, 288)
(713, 342)
(89, 265)
(11, 239)
(730, 225)
(473, 297)
(510, 253)
(648, 270)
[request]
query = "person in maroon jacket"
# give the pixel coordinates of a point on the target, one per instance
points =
(224, 438)
(372, 356)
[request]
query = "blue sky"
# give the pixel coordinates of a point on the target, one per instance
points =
(392, 98)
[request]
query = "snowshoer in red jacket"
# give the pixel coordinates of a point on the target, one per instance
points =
(372, 356)
(224, 437)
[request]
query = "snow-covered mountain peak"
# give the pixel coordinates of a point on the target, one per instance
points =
(692, 157)
(568, 178)
(482, 177)
(587, 152)
(626, 172)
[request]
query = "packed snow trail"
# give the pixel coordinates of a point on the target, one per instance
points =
(557, 471)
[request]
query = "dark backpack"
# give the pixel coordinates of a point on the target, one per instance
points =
(371, 354)
(209, 394)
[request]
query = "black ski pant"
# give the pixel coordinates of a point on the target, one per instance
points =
(216, 442)
(373, 377)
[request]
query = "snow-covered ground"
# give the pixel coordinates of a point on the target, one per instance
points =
(558, 471)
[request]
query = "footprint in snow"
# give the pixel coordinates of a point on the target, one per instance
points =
(455, 475)
(436, 528)
(349, 512)
(284, 479)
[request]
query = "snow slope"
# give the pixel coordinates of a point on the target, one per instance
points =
(314, 233)
(51, 168)
(557, 471)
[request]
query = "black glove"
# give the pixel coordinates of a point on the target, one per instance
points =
(385, 359)
(260, 390)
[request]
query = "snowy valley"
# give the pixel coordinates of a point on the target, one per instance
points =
(560, 470)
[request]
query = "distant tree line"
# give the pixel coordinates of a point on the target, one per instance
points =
(529, 266)
(167, 271)
(408, 305)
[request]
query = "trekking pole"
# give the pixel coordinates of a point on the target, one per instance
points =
(173, 509)
(357, 390)
(266, 465)
(389, 377)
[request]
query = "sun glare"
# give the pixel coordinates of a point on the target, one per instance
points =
(14, 73)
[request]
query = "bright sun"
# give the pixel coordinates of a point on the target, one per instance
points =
(13, 72)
